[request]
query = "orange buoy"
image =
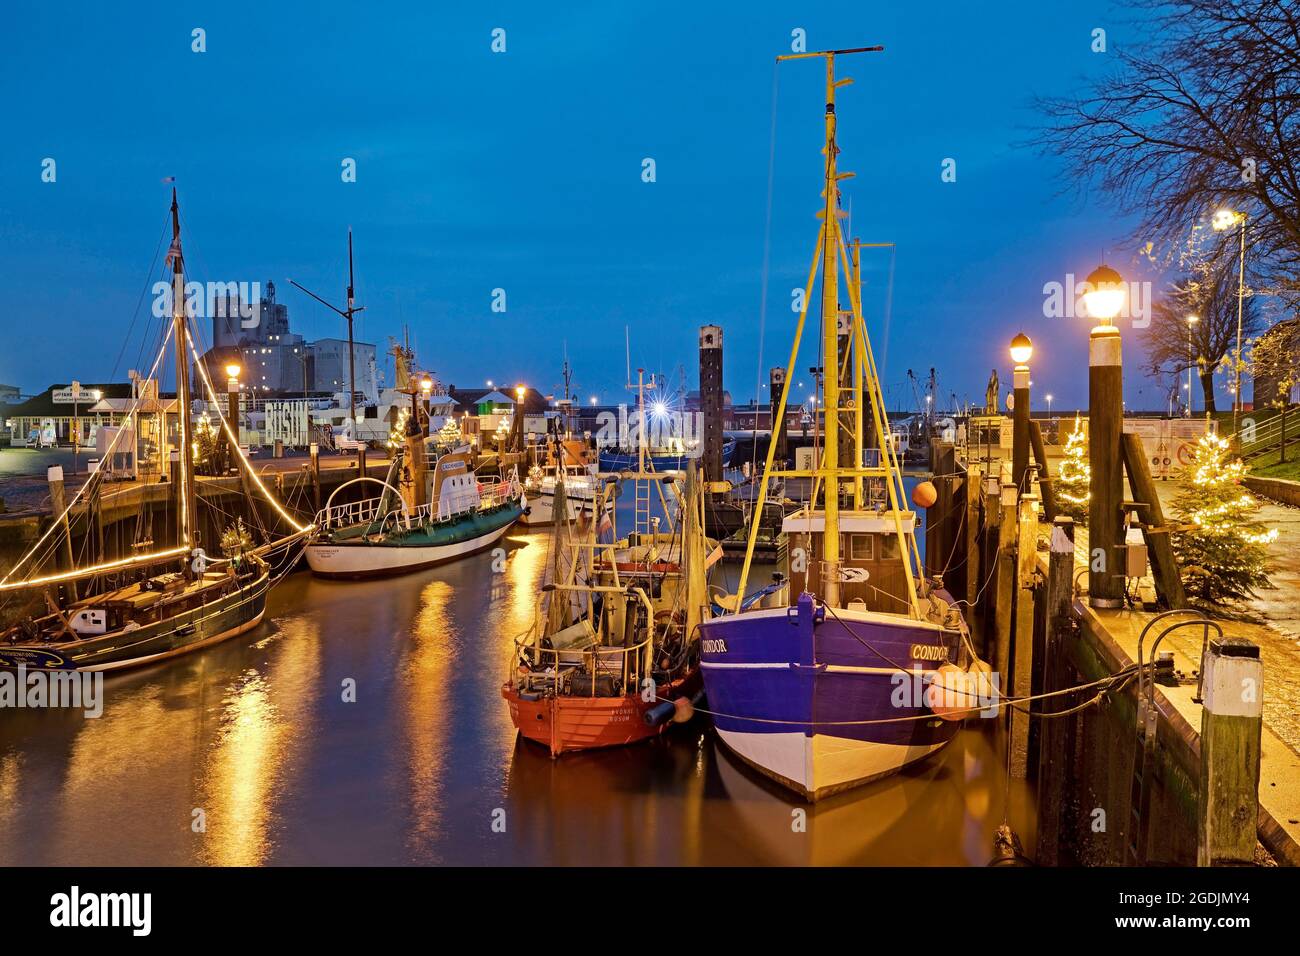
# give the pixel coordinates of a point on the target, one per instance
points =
(683, 710)
(925, 495)
(951, 694)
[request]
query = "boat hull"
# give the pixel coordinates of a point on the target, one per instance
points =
(568, 723)
(212, 623)
(541, 510)
(805, 700)
(351, 560)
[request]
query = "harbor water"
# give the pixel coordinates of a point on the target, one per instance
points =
(253, 752)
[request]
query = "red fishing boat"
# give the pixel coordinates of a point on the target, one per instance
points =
(613, 657)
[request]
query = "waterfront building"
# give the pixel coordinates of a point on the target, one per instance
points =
(276, 361)
(53, 416)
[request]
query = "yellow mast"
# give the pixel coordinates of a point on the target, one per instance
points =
(830, 472)
(831, 353)
(859, 395)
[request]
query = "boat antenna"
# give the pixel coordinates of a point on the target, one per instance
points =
(347, 313)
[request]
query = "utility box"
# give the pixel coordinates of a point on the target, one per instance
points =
(1135, 559)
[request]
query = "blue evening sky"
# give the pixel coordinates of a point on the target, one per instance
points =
(522, 171)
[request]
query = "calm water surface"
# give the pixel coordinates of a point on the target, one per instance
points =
(256, 734)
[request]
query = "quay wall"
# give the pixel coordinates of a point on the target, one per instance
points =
(132, 511)
(1278, 489)
(1103, 798)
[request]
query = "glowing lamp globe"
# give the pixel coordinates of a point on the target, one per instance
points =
(233, 370)
(924, 495)
(426, 384)
(1106, 294)
(1021, 349)
(1225, 219)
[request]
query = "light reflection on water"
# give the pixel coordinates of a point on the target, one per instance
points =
(256, 733)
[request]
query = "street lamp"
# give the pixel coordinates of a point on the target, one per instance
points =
(1048, 396)
(1021, 350)
(1225, 219)
(518, 423)
(1191, 321)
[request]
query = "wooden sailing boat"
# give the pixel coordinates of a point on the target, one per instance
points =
(833, 686)
(614, 658)
(149, 606)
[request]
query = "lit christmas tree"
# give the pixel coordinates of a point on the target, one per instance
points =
(208, 448)
(1074, 476)
(1221, 548)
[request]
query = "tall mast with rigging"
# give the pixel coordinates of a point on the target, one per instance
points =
(352, 359)
(348, 314)
(830, 346)
(185, 475)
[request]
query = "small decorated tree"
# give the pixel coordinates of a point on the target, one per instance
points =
(235, 541)
(1074, 476)
(1221, 546)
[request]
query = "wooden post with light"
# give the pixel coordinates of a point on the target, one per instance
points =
(1021, 351)
(232, 413)
(1104, 299)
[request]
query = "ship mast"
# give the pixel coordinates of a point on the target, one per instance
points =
(349, 313)
(830, 349)
(185, 477)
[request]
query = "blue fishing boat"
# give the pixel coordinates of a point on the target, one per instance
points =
(852, 665)
(618, 459)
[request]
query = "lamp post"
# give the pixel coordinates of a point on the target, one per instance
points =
(1191, 321)
(426, 389)
(1104, 299)
(232, 415)
(518, 429)
(1021, 351)
(75, 430)
(1226, 219)
(1048, 396)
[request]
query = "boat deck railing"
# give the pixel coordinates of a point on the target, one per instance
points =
(559, 667)
(491, 493)
(553, 669)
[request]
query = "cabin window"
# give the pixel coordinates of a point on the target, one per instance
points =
(861, 547)
(889, 547)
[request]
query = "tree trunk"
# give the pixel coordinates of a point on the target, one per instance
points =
(1207, 389)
